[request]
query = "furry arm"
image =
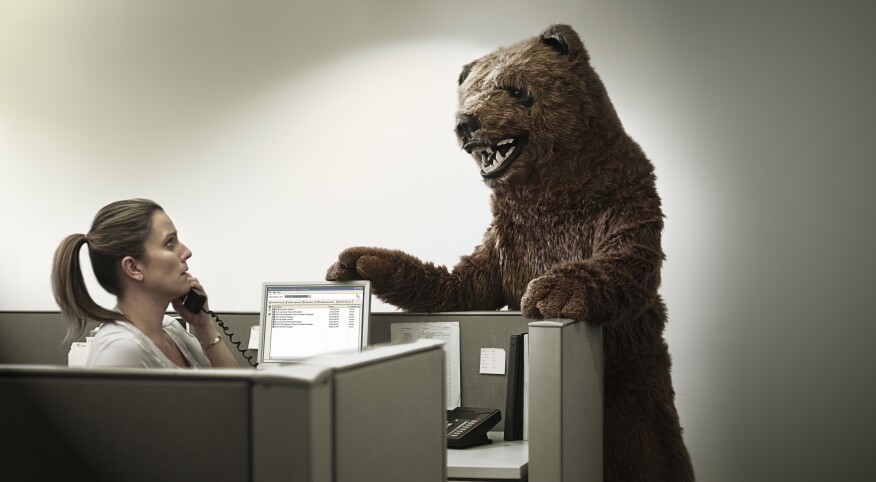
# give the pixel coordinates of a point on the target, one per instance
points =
(621, 277)
(405, 281)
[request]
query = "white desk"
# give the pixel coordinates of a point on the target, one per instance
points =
(499, 460)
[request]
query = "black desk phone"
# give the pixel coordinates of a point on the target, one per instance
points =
(467, 427)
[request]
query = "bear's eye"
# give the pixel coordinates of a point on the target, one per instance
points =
(520, 96)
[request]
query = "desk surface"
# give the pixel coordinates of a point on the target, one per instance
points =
(498, 460)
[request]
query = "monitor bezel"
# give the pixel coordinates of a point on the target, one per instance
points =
(366, 314)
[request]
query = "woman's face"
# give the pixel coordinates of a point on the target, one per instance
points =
(163, 263)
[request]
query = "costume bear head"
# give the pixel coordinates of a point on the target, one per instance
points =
(535, 112)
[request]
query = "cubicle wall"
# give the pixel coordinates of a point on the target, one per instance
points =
(374, 416)
(566, 392)
(141, 425)
(566, 384)
(37, 337)
(477, 329)
(384, 410)
(291, 434)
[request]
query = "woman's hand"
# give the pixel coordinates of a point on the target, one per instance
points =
(205, 331)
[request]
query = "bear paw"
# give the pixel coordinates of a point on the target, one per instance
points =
(554, 296)
(360, 263)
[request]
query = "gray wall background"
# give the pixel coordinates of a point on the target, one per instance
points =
(236, 115)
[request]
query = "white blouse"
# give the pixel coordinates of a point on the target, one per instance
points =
(121, 344)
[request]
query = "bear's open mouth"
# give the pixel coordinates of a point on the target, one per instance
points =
(496, 158)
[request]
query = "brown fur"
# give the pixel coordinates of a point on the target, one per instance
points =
(575, 234)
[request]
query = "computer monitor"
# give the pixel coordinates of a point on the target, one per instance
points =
(304, 319)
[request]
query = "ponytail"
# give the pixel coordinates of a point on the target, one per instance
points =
(71, 294)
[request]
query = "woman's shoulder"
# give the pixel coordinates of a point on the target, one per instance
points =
(114, 346)
(117, 330)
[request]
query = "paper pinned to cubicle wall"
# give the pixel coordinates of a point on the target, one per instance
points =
(447, 331)
(492, 361)
(255, 333)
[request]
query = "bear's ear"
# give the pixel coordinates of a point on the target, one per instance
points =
(464, 74)
(556, 41)
(564, 40)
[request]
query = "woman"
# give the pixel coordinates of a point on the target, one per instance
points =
(136, 255)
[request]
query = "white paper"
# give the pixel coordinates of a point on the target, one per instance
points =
(448, 332)
(78, 354)
(492, 361)
(254, 335)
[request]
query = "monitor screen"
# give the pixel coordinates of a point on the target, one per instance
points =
(301, 320)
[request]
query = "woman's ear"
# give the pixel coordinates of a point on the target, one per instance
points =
(131, 268)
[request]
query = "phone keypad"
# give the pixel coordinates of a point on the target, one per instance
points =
(460, 429)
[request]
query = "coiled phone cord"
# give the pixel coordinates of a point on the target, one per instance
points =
(230, 336)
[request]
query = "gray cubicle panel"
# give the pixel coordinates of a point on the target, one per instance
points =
(389, 413)
(37, 337)
(477, 329)
(371, 416)
(566, 401)
(148, 425)
(34, 337)
(292, 427)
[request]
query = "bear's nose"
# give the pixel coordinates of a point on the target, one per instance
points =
(466, 125)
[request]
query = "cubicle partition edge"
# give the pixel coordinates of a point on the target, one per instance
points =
(566, 391)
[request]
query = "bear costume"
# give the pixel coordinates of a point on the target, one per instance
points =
(575, 234)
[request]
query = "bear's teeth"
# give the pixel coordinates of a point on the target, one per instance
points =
(500, 158)
(489, 166)
(506, 141)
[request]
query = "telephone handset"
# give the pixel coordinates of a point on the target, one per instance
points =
(467, 427)
(194, 301)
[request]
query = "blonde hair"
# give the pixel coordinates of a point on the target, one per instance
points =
(119, 229)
